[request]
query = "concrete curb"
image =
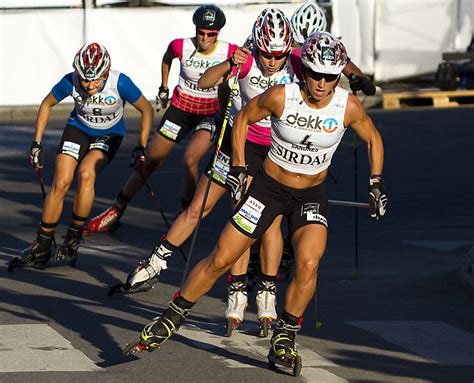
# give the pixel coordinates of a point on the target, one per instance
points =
(466, 273)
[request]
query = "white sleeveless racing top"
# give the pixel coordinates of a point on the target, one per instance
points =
(102, 110)
(252, 83)
(304, 139)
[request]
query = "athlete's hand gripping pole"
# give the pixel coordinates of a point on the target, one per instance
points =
(211, 173)
(158, 206)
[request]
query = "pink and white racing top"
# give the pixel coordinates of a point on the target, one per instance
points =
(252, 82)
(187, 96)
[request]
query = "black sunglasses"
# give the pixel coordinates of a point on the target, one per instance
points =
(269, 56)
(200, 32)
(316, 76)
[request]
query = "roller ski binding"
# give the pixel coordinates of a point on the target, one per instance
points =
(68, 250)
(266, 302)
(236, 305)
(38, 253)
(143, 278)
(155, 333)
(106, 222)
(283, 348)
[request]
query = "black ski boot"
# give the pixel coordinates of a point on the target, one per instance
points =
(155, 333)
(68, 250)
(39, 252)
(283, 348)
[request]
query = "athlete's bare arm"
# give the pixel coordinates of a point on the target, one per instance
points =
(146, 121)
(43, 115)
(362, 124)
(165, 66)
(352, 68)
(219, 73)
(269, 103)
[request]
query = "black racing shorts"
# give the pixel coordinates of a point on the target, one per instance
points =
(75, 143)
(266, 199)
(176, 123)
(254, 156)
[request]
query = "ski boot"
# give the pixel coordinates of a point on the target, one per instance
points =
(68, 250)
(266, 302)
(236, 305)
(105, 222)
(288, 259)
(39, 252)
(155, 333)
(283, 348)
(142, 278)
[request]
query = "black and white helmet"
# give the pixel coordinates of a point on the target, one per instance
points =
(209, 17)
(272, 32)
(306, 20)
(324, 53)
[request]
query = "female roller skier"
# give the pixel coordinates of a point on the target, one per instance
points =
(92, 136)
(309, 120)
(191, 108)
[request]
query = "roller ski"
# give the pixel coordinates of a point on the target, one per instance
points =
(283, 348)
(106, 222)
(236, 305)
(38, 253)
(68, 250)
(266, 302)
(155, 333)
(144, 276)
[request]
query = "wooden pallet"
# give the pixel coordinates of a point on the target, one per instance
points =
(435, 98)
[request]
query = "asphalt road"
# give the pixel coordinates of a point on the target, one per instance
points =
(397, 313)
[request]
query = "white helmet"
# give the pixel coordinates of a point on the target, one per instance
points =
(92, 62)
(308, 19)
(324, 53)
(272, 32)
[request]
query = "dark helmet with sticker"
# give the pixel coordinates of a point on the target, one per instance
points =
(209, 17)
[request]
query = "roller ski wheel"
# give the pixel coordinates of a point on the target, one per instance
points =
(265, 326)
(293, 362)
(231, 325)
(135, 348)
(64, 252)
(13, 264)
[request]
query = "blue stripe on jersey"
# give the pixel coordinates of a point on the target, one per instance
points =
(127, 89)
(63, 88)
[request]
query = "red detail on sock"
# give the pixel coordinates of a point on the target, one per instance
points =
(176, 295)
(229, 278)
(300, 321)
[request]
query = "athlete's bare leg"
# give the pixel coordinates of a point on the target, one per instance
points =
(230, 247)
(184, 225)
(63, 176)
(310, 243)
(196, 149)
(91, 165)
(271, 248)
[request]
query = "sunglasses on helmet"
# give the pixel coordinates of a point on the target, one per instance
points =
(201, 32)
(269, 56)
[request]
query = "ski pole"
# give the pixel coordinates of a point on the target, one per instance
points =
(211, 174)
(349, 203)
(158, 206)
(318, 324)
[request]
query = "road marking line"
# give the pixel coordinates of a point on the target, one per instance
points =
(436, 341)
(207, 336)
(38, 347)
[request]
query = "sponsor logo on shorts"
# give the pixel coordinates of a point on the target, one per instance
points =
(255, 204)
(71, 148)
(311, 211)
(99, 146)
(244, 224)
(170, 129)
